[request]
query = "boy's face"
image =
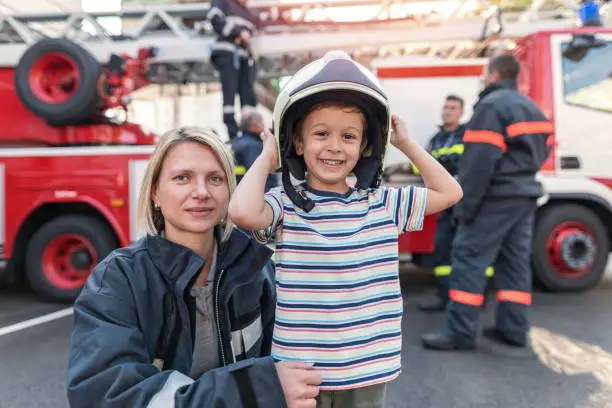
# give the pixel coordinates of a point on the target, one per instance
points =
(331, 143)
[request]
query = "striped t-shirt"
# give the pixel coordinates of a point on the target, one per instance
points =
(339, 299)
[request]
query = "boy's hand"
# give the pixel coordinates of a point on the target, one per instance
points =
(270, 150)
(399, 133)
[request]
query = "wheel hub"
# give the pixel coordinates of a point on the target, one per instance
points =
(68, 260)
(80, 259)
(571, 249)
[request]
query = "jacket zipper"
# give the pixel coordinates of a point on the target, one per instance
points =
(218, 317)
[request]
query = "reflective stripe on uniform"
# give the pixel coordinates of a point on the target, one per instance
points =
(529, 128)
(467, 298)
(445, 270)
(485, 136)
(514, 296)
(165, 397)
(228, 109)
(243, 340)
(447, 151)
(240, 170)
(442, 270)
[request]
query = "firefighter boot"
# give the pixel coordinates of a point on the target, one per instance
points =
(445, 340)
(510, 339)
(432, 304)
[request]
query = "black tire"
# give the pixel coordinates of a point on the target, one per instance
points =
(100, 238)
(557, 277)
(83, 102)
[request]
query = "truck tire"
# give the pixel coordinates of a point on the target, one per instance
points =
(62, 253)
(570, 248)
(58, 80)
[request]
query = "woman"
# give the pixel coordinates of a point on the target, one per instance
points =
(175, 319)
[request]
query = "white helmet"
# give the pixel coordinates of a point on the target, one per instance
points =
(335, 77)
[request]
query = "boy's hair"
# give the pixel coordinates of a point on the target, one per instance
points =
(347, 107)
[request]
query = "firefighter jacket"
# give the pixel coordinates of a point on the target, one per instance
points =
(133, 335)
(447, 148)
(505, 145)
(246, 149)
(229, 18)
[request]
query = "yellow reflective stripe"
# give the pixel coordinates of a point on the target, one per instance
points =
(443, 270)
(240, 170)
(445, 151)
(414, 169)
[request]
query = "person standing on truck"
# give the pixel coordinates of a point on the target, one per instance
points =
(249, 145)
(446, 146)
(504, 148)
(231, 55)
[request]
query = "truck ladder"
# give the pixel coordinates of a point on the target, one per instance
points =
(290, 38)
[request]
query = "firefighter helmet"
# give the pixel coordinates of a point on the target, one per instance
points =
(335, 77)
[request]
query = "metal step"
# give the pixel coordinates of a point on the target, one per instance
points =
(288, 40)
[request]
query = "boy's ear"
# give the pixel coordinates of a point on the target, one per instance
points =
(298, 142)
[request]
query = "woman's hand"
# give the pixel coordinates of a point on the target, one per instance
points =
(270, 150)
(399, 133)
(300, 383)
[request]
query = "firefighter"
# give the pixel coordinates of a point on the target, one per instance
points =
(249, 145)
(231, 55)
(447, 147)
(504, 147)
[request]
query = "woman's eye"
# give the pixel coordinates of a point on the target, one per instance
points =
(180, 178)
(216, 179)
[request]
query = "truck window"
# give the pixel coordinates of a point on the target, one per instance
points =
(588, 82)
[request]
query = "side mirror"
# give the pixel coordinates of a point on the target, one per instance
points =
(580, 45)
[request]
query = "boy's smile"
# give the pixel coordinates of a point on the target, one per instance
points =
(331, 143)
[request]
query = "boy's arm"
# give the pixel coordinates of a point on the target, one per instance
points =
(247, 207)
(443, 189)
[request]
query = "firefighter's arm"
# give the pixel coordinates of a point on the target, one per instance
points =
(484, 143)
(443, 191)
(248, 208)
(219, 22)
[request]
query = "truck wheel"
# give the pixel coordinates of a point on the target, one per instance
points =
(570, 248)
(57, 80)
(62, 253)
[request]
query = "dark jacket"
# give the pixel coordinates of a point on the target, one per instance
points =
(447, 148)
(246, 149)
(135, 309)
(505, 145)
(228, 18)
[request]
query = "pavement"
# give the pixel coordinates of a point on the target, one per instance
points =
(568, 365)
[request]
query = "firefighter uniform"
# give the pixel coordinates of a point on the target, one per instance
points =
(246, 149)
(232, 58)
(446, 147)
(505, 145)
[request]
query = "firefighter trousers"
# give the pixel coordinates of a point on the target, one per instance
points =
(501, 235)
(237, 75)
(445, 233)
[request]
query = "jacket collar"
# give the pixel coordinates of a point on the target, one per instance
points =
(503, 84)
(173, 259)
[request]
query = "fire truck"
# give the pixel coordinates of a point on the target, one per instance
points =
(71, 163)
(568, 73)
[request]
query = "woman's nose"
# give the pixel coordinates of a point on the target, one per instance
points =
(200, 190)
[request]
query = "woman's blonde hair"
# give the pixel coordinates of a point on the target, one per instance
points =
(150, 219)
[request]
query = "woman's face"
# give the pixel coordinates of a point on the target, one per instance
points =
(192, 191)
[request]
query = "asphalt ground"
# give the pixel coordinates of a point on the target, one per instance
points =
(568, 365)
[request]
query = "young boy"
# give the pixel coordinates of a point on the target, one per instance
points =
(339, 299)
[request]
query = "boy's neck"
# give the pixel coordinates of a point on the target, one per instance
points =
(338, 188)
